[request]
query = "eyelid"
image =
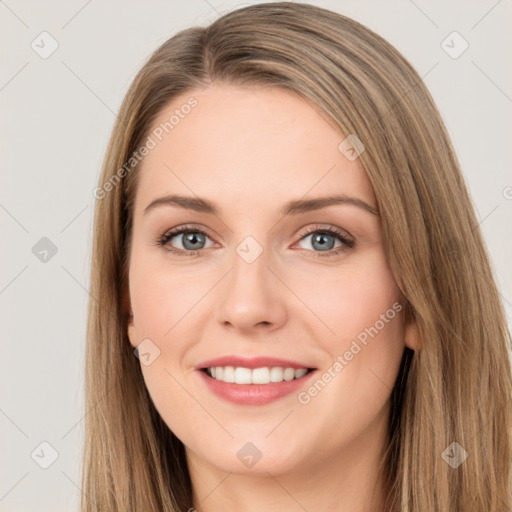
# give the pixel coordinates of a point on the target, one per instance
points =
(342, 235)
(304, 231)
(178, 230)
(309, 229)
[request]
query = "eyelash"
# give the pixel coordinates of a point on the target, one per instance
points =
(347, 243)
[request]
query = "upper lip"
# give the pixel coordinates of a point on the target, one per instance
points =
(251, 362)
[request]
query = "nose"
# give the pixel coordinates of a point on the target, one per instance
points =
(252, 297)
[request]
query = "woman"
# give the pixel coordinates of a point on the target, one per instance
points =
(284, 240)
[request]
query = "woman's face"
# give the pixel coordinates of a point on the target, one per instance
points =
(266, 282)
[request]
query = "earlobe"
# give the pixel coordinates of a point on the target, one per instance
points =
(412, 334)
(127, 310)
(131, 334)
(131, 330)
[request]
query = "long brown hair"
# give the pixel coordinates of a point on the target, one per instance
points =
(456, 389)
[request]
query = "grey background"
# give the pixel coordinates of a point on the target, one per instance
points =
(56, 117)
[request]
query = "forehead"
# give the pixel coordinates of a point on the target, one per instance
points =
(249, 144)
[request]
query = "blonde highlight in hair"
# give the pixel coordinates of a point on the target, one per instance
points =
(456, 388)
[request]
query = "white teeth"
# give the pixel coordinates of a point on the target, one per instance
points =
(300, 373)
(243, 375)
(229, 374)
(289, 374)
(265, 375)
(260, 376)
(276, 374)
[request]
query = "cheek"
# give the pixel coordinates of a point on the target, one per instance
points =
(365, 336)
(350, 299)
(161, 299)
(162, 303)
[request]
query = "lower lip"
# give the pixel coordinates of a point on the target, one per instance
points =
(253, 394)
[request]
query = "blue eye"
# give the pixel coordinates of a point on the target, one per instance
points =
(193, 240)
(324, 240)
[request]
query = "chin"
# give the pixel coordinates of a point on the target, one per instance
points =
(256, 457)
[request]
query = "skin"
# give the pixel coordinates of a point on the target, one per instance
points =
(250, 150)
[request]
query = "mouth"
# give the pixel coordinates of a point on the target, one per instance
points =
(257, 381)
(262, 376)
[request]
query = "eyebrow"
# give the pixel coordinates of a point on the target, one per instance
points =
(295, 207)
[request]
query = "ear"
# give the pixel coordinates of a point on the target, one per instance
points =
(412, 334)
(128, 315)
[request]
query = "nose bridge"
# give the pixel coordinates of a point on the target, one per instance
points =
(251, 294)
(250, 264)
(250, 274)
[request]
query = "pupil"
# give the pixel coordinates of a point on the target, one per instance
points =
(192, 238)
(322, 237)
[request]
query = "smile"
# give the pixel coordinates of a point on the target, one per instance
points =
(254, 386)
(263, 375)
